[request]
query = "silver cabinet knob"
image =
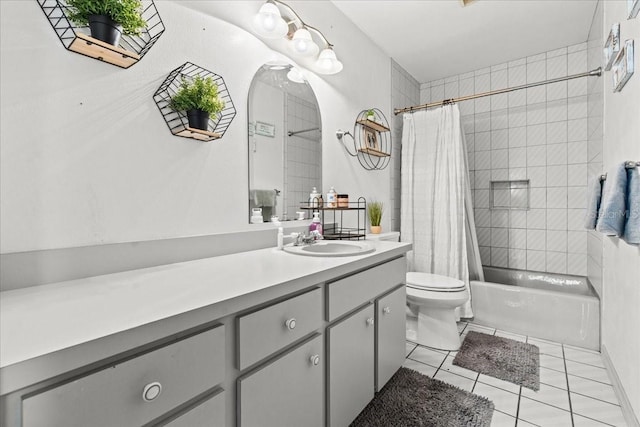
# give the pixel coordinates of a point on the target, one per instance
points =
(315, 360)
(386, 310)
(151, 391)
(370, 321)
(291, 324)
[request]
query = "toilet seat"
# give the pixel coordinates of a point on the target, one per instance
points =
(433, 283)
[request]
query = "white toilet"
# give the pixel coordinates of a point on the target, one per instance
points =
(433, 299)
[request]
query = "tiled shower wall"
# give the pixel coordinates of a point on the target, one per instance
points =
(539, 134)
(405, 92)
(595, 119)
(303, 154)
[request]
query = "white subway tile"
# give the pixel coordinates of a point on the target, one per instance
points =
(536, 219)
(499, 139)
(518, 259)
(483, 120)
(500, 218)
(538, 198)
(517, 115)
(500, 257)
(536, 70)
(577, 130)
(437, 93)
(500, 118)
(556, 177)
(483, 160)
(537, 134)
(481, 198)
(576, 197)
(500, 174)
(577, 152)
(536, 155)
(485, 255)
(482, 141)
(556, 262)
(537, 176)
(482, 179)
(499, 159)
(556, 66)
(499, 79)
(557, 154)
(577, 174)
(536, 260)
(518, 157)
(484, 236)
(556, 91)
(517, 136)
(517, 173)
(557, 110)
(556, 132)
(577, 264)
(518, 219)
(575, 219)
(518, 238)
(557, 240)
(536, 95)
(499, 237)
(483, 217)
(556, 219)
(577, 242)
(577, 107)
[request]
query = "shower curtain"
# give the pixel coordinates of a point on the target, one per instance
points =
(436, 208)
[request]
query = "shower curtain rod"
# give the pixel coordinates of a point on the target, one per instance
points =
(596, 72)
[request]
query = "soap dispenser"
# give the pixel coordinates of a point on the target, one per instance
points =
(316, 225)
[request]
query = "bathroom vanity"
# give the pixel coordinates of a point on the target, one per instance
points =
(260, 338)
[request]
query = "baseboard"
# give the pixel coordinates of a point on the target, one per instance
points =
(625, 404)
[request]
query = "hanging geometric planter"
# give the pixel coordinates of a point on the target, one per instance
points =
(177, 121)
(130, 48)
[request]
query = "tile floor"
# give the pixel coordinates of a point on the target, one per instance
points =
(575, 389)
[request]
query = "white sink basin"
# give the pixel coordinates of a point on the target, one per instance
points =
(332, 248)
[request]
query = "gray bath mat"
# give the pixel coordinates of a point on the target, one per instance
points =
(502, 358)
(411, 399)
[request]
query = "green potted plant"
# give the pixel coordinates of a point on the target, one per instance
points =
(199, 98)
(375, 216)
(371, 115)
(107, 19)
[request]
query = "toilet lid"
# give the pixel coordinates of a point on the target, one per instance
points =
(434, 282)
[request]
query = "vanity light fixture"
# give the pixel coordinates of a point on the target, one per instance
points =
(304, 40)
(295, 75)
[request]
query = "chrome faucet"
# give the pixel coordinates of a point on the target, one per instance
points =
(301, 239)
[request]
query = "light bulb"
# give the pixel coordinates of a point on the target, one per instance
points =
(303, 43)
(295, 75)
(328, 63)
(268, 23)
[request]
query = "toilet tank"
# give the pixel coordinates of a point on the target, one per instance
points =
(391, 236)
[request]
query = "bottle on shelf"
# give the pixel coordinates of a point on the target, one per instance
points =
(332, 198)
(314, 198)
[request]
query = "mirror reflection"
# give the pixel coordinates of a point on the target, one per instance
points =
(285, 144)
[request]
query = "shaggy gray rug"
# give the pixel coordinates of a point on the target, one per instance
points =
(502, 358)
(411, 399)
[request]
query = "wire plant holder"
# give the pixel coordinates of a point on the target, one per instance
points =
(77, 39)
(177, 121)
(371, 140)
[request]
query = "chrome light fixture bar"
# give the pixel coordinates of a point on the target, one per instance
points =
(276, 19)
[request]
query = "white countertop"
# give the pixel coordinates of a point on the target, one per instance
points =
(40, 320)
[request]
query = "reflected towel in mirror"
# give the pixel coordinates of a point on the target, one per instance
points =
(264, 197)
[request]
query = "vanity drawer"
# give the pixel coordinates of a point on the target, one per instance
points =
(346, 294)
(266, 331)
(115, 396)
(209, 413)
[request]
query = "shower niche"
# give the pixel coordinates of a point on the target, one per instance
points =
(509, 195)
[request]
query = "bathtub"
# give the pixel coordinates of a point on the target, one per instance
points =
(555, 307)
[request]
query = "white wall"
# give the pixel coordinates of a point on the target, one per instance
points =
(621, 267)
(86, 158)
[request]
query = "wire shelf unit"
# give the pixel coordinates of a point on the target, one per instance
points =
(131, 48)
(333, 219)
(177, 121)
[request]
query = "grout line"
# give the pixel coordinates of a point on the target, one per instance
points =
(566, 375)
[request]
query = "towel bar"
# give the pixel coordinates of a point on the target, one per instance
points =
(629, 165)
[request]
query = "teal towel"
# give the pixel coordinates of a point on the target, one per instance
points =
(594, 194)
(632, 226)
(612, 215)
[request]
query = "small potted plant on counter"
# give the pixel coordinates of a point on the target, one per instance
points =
(107, 19)
(199, 98)
(375, 216)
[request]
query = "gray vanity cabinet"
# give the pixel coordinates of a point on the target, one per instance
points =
(287, 392)
(136, 391)
(351, 366)
(390, 339)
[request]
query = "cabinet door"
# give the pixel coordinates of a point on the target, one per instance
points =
(210, 413)
(390, 340)
(351, 366)
(286, 393)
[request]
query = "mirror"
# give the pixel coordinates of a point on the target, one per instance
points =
(285, 144)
